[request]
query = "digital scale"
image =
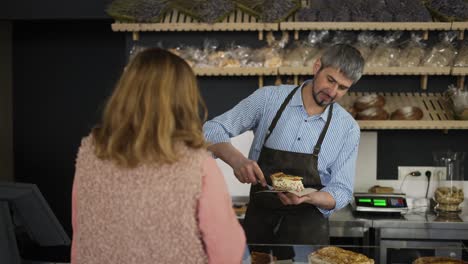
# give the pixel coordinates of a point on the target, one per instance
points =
(380, 202)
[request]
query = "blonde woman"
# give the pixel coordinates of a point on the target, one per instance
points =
(145, 188)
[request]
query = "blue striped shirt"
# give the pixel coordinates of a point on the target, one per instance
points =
(295, 131)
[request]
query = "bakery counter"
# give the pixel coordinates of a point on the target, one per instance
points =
(424, 225)
(342, 223)
(325, 254)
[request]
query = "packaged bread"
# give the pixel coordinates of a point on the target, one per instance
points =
(438, 260)
(412, 54)
(462, 58)
(284, 182)
(442, 53)
(336, 255)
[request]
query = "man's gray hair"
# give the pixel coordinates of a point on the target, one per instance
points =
(345, 58)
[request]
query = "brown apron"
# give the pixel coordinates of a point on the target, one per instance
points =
(267, 220)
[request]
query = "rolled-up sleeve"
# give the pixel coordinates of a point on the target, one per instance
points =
(222, 234)
(242, 117)
(343, 172)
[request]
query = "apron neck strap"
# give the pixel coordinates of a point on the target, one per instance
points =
(318, 145)
(280, 111)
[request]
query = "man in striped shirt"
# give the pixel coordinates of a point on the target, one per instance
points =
(300, 131)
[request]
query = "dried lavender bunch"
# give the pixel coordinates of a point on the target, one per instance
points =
(308, 14)
(151, 10)
(252, 7)
(123, 10)
(209, 11)
(138, 10)
(278, 10)
(454, 9)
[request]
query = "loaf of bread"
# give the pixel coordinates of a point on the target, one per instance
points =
(407, 113)
(336, 255)
(438, 260)
(284, 182)
(368, 101)
(374, 113)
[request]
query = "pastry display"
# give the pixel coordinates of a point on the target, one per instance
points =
(448, 198)
(284, 182)
(407, 113)
(368, 101)
(438, 260)
(336, 255)
(373, 113)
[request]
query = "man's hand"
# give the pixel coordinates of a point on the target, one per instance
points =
(292, 199)
(248, 171)
(245, 170)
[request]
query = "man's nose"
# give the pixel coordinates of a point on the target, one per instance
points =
(334, 89)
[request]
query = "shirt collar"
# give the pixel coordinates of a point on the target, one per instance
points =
(296, 100)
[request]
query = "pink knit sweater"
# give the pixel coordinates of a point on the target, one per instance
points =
(158, 213)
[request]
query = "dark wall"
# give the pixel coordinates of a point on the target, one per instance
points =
(62, 73)
(52, 9)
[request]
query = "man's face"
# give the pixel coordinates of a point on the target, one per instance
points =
(329, 85)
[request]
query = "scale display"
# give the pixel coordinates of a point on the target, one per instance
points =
(380, 202)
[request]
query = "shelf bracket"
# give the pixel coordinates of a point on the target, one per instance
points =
(424, 82)
(136, 35)
(296, 80)
(461, 82)
(461, 34)
(296, 34)
(426, 34)
(260, 35)
(260, 81)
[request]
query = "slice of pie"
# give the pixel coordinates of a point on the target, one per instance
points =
(336, 255)
(287, 183)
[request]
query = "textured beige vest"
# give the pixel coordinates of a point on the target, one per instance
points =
(142, 215)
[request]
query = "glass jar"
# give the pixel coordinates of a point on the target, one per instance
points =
(449, 192)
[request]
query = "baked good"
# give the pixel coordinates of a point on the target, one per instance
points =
(407, 113)
(448, 199)
(284, 182)
(368, 101)
(336, 255)
(262, 258)
(438, 260)
(373, 113)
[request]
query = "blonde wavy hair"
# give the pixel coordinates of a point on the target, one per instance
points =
(155, 104)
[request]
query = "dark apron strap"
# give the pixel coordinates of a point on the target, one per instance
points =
(279, 112)
(318, 145)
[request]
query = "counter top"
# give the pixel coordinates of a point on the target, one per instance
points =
(346, 223)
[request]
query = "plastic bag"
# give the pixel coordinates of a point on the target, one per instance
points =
(387, 53)
(413, 52)
(442, 53)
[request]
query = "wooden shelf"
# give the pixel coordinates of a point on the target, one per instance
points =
(293, 25)
(460, 71)
(247, 71)
(460, 25)
(377, 71)
(436, 114)
(175, 21)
